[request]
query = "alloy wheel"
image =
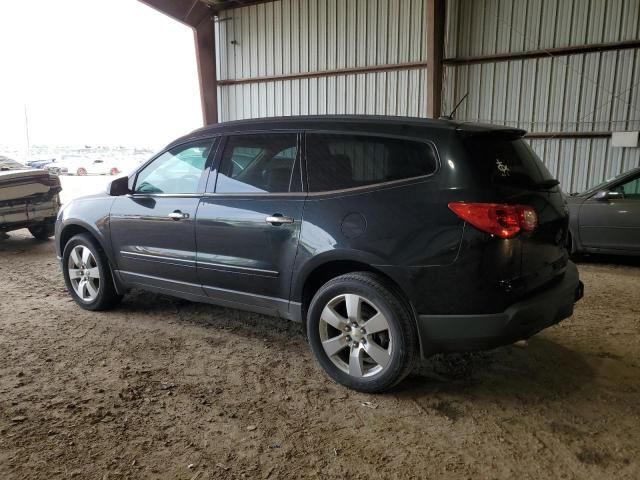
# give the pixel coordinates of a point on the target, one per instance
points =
(355, 335)
(84, 273)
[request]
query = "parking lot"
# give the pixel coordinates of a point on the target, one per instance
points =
(171, 389)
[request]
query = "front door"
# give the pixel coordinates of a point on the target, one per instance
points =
(153, 228)
(249, 222)
(613, 223)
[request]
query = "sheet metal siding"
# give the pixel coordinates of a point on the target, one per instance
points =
(584, 162)
(586, 92)
(485, 27)
(299, 36)
(384, 93)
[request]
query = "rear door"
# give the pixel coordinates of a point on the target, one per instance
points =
(614, 223)
(248, 223)
(153, 229)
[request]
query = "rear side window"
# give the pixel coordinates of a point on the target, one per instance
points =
(505, 161)
(257, 163)
(336, 162)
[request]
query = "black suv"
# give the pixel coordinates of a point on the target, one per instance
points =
(387, 237)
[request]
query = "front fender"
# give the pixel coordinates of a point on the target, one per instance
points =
(90, 214)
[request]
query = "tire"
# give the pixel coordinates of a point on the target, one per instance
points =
(42, 231)
(98, 292)
(81, 172)
(353, 365)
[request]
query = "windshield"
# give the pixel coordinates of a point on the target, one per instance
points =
(8, 164)
(507, 161)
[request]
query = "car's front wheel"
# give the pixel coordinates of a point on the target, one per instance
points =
(361, 332)
(87, 275)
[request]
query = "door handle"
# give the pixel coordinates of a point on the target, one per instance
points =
(178, 215)
(278, 219)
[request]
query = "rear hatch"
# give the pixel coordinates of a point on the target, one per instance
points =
(24, 184)
(508, 170)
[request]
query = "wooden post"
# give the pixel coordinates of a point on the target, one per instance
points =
(205, 40)
(435, 51)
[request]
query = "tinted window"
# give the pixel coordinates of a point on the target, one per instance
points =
(630, 189)
(502, 160)
(336, 161)
(175, 171)
(258, 164)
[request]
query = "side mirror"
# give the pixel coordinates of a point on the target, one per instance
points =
(605, 195)
(119, 187)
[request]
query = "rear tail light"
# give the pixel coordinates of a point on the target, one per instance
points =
(54, 181)
(502, 220)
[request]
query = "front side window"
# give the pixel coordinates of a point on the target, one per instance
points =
(630, 189)
(258, 163)
(177, 171)
(336, 162)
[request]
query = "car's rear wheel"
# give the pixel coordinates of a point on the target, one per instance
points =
(361, 332)
(42, 231)
(87, 275)
(81, 172)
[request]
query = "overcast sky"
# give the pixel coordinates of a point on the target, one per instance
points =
(94, 72)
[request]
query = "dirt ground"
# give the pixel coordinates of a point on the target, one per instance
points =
(161, 388)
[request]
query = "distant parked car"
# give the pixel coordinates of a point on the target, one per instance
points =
(86, 166)
(389, 238)
(40, 163)
(29, 198)
(606, 218)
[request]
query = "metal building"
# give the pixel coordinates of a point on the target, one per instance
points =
(567, 71)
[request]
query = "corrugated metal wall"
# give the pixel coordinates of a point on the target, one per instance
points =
(576, 93)
(289, 37)
(585, 162)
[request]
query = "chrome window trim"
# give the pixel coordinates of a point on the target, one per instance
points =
(256, 194)
(165, 195)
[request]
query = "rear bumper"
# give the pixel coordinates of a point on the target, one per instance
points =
(21, 214)
(458, 333)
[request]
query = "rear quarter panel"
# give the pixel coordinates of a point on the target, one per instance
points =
(395, 228)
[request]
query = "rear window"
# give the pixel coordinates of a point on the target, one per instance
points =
(505, 161)
(336, 161)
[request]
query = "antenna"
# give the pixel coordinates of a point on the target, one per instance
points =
(450, 116)
(26, 128)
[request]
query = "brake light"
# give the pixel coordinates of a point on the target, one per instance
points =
(502, 220)
(54, 181)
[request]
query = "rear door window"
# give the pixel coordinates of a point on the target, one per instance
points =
(336, 161)
(506, 161)
(259, 163)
